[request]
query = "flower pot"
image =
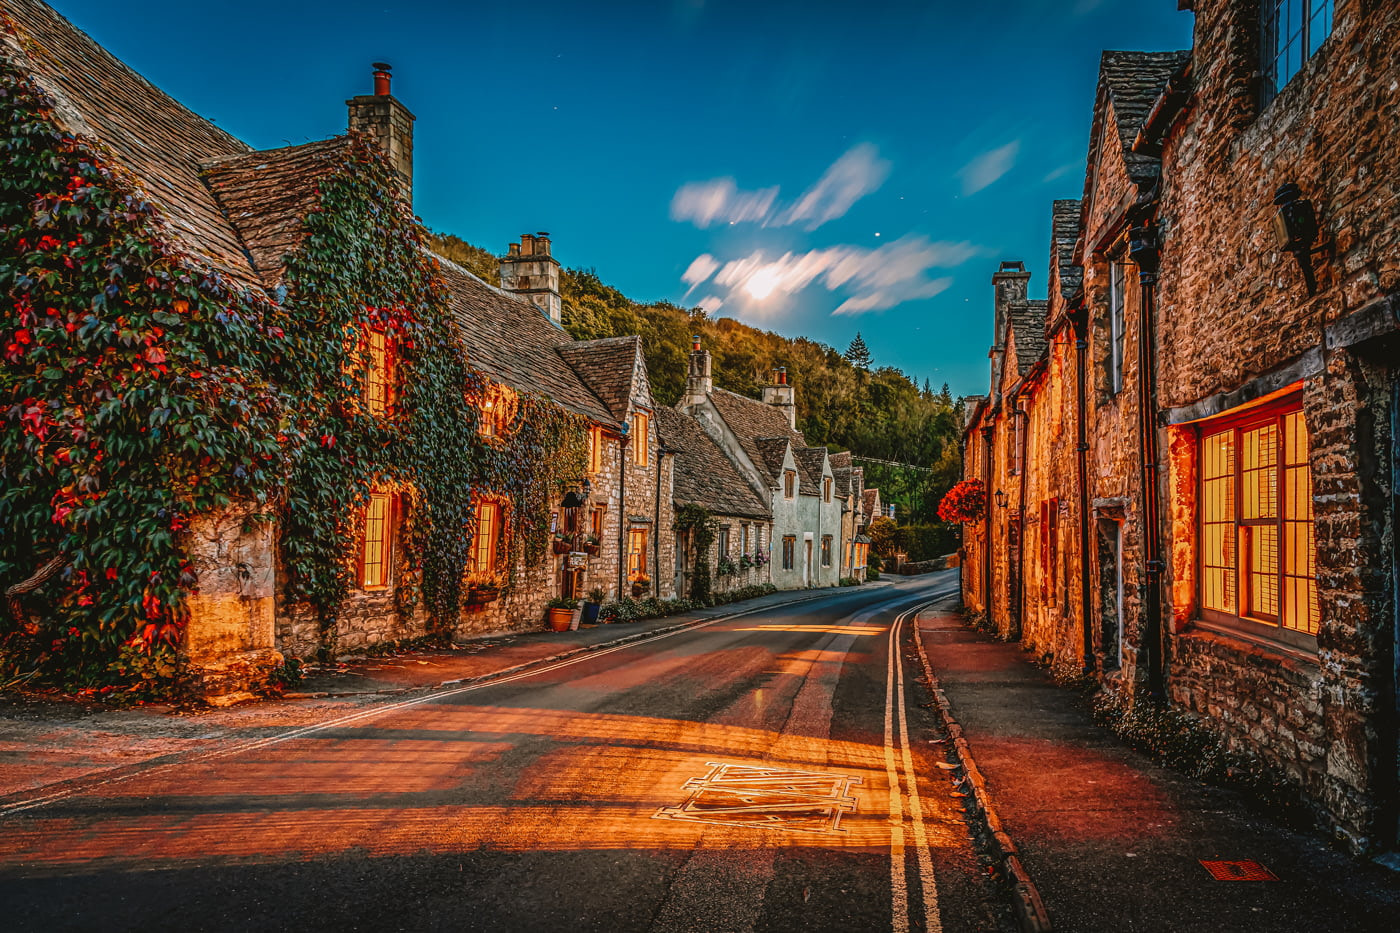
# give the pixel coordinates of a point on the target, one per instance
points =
(590, 613)
(561, 546)
(559, 619)
(591, 550)
(479, 595)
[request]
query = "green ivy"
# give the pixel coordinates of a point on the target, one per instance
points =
(697, 520)
(134, 394)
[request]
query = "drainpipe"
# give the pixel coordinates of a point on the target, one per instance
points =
(656, 531)
(1144, 248)
(1079, 318)
(987, 526)
(622, 510)
(1025, 429)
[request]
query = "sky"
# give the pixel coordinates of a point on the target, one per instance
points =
(814, 168)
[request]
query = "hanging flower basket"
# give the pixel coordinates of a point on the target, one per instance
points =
(562, 546)
(965, 502)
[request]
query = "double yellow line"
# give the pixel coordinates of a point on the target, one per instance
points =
(904, 795)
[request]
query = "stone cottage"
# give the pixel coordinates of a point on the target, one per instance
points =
(762, 441)
(386, 365)
(1210, 433)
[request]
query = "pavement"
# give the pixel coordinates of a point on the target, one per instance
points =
(1097, 837)
(51, 741)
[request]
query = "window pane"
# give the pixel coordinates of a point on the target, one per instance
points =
(376, 540)
(1299, 556)
(1260, 472)
(1262, 555)
(1218, 521)
(1320, 27)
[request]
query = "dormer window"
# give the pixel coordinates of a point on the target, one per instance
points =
(1292, 31)
(826, 489)
(379, 373)
(789, 483)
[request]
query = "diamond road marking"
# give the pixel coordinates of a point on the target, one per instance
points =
(1247, 870)
(770, 798)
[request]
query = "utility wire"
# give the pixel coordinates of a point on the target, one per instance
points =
(907, 466)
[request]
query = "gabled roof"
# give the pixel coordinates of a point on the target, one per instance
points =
(267, 194)
(613, 368)
(772, 451)
(1064, 233)
(510, 340)
(750, 420)
(843, 469)
(1028, 328)
(870, 502)
(809, 462)
(703, 474)
(1129, 82)
(161, 143)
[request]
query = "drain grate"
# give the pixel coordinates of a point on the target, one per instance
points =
(772, 798)
(1247, 870)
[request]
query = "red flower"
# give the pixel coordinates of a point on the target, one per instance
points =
(965, 502)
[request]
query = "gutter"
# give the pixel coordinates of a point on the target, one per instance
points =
(1165, 112)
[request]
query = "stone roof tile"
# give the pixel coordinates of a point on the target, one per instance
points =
(160, 142)
(750, 420)
(1132, 81)
(610, 367)
(703, 474)
(1065, 222)
(1028, 327)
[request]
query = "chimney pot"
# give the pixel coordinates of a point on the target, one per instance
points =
(381, 78)
(695, 343)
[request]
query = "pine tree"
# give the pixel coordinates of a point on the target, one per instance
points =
(928, 389)
(858, 354)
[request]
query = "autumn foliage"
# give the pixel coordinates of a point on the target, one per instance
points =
(965, 502)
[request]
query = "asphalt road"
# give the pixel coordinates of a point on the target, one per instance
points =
(737, 776)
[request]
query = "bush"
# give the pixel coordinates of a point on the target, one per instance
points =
(632, 610)
(871, 573)
(848, 581)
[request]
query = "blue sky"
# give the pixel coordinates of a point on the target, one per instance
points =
(814, 168)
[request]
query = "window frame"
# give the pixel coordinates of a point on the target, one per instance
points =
(380, 363)
(641, 440)
(789, 552)
(637, 555)
(386, 543)
(485, 507)
(1117, 323)
(1261, 627)
(722, 540)
(826, 550)
(789, 484)
(1303, 43)
(826, 488)
(595, 449)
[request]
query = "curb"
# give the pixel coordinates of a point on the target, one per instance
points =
(561, 656)
(1031, 915)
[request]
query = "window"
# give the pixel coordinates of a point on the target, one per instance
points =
(789, 551)
(596, 527)
(379, 376)
(595, 449)
(826, 489)
(724, 541)
(744, 538)
(374, 554)
(789, 483)
(1117, 323)
(640, 424)
(1293, 31)
(488, 533)
(1256, 541)
(637, 554)
(1111, 591)
(826, 550)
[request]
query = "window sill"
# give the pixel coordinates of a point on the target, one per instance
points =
(1283, 643)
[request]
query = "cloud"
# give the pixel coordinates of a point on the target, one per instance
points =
(857, 173)
(706, 202)
(872, 279)
(988, 167)
(710, 304)
(700, 269)
(1061, 171)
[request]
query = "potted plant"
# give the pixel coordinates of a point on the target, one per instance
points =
(559, 613)
(562, 545)
(640, 585)
(592, 605)
(591, 545)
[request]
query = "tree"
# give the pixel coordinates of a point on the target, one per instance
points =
(858, 354)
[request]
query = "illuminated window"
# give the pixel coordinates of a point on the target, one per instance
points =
(826, 489)
(488, 534)
(374, 555)
(496, 409)
(1257, 548)
(789, 552)
(1117, 323)
(379, 377)
(641, 423)
(1049, 545)
(1293, 31)
(595, 449)
(789, 483)
(637, 553)
(599, 513)
(826, 550)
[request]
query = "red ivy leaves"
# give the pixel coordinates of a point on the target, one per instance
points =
(965, 502)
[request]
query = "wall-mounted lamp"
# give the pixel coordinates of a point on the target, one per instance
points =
(1295, 229)
(1145, 250)
(1001, 498)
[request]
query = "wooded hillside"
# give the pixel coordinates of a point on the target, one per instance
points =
(877, 412)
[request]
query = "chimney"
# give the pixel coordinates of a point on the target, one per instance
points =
(698, 383)
(1009, 283)
(780, 396)
(528, 269)
(385, 122)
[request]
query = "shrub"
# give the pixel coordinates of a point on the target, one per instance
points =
(848, 581)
